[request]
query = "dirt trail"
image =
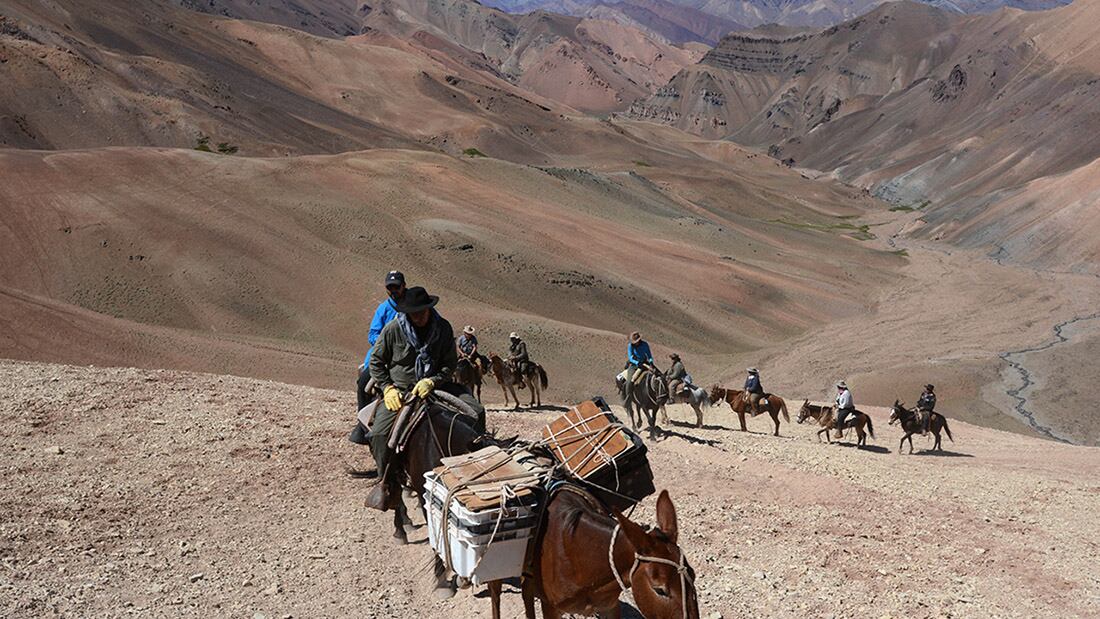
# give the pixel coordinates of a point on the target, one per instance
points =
(176, 494)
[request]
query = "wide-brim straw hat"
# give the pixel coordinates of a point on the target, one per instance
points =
(841, 384)
(513, 335)
(468, 330)
(635, 337)
(752, 371)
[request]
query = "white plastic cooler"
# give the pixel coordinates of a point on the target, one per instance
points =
(485, 545)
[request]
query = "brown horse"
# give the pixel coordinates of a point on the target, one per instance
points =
(825, 417)
(468, 373)
(739, 403)
(535, 380)
(911, 424)
(585, 558)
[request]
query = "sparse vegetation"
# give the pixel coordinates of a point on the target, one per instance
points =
(904, 253)
(202, 143)
(473, 152)
(859, 232)
(641, 164)
(909, 208)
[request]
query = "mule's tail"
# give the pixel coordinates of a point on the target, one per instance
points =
(542, 378)
(870, 426)
(948, 430)
(783, 407)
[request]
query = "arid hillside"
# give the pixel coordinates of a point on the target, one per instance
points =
(928, 110)
(174, 493)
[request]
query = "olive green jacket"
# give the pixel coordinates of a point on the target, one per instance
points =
(393, 361)
(677, 371)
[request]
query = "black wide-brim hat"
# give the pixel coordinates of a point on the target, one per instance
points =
(416, 300)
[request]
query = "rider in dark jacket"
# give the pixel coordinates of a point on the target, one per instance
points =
(518, 357)
(926, 406)
(754, 390)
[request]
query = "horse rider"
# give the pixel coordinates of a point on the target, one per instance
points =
(925, 406)
(754, 390)
(677, 375)
(415, 354)
(844, 406)
(518, 358)
(638, 357)
(383, 314)
(467, 349)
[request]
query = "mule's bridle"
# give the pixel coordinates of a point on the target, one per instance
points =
(680, 566)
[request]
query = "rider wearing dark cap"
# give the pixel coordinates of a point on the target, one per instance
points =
(926, 406)
(415, 353)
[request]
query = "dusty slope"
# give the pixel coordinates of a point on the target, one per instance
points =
(106, 78)
(197, 494)
(288, 253)
(919, 106)
(591, 65)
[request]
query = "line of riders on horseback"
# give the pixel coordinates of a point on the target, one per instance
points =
(414, 357)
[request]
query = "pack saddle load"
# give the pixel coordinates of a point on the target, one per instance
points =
(485, 508)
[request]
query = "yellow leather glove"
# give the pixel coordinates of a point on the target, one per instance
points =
(392, 398)
(424, 387)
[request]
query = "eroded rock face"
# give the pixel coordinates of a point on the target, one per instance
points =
(756, 54)
(950, 88)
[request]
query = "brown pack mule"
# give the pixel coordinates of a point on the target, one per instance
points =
(584, 560)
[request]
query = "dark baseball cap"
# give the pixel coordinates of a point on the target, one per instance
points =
(395, 278)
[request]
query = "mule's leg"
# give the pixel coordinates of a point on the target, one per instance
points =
(549, 612)
(528, 591)
(494, 596)
(515, 397)
(910, 444)
(400, 517)
(937, 446)
(698, 414)
(741, 417)
(651, 416)
(901, 445)
(775, 418)
(664, 415)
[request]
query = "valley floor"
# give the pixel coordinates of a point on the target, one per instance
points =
(175, 494)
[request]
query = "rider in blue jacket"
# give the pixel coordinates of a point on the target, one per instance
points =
(386, 311)
(638, 356)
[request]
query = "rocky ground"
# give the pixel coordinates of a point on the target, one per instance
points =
(154, 493)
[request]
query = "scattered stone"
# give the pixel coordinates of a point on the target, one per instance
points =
(196, 577)
(55, 450)
(274, 589)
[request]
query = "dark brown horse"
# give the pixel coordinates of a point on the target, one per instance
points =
(911, 424)
(825, 417)
(442, 433)
(585, 558)
(535, 379)
(739, 403)
(468, 373)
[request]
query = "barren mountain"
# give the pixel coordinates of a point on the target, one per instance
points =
(925, 108)
(674, 21)
(590, 65)
(722, 13)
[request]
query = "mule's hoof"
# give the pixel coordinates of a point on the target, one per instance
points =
(444, 591)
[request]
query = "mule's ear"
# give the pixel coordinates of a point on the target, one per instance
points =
(633, 533)
(666, 516)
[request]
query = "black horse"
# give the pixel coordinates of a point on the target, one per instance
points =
(911, 424)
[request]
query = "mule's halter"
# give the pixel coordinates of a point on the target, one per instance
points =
(680, 566)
